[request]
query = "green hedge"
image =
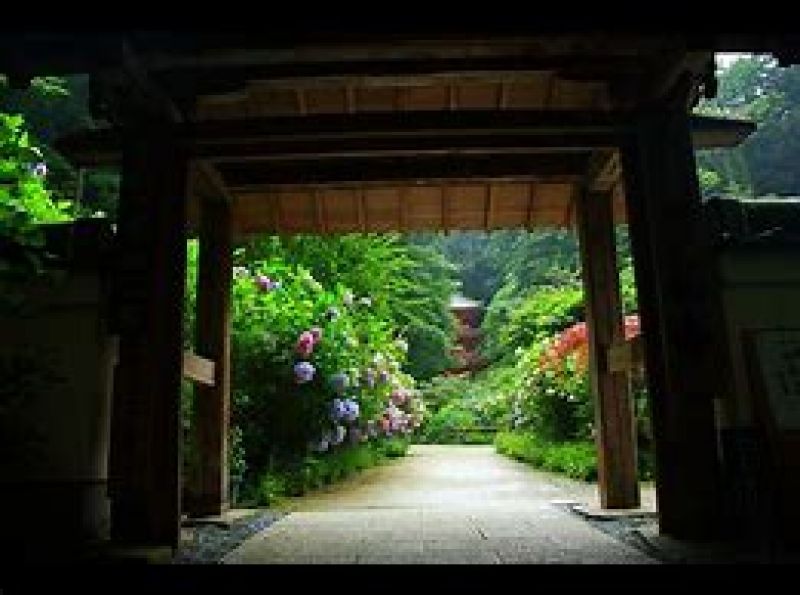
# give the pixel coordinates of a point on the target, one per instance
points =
(577, 459)
(315, 471)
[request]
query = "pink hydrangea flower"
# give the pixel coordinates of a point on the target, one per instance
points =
(398, 396)
(305, 344)
(264, 283)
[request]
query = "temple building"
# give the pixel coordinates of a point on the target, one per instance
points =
(466, 353)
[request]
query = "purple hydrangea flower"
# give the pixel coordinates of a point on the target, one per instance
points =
(40, 170)
(338, 409)
(264, 283)
(351, 410)
(303, 372)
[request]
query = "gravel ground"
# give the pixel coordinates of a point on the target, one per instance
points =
(208, 544)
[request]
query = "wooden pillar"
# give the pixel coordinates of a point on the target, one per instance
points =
(208, 490)
(144, 470)
(679, 319)
(615, 428)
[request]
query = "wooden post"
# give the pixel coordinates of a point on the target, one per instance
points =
(208, 489)
(679, 319)
(144, 469)
(616, 434)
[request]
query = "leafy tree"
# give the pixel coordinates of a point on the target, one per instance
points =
(755, 87)
(53, 107)
(25, 201)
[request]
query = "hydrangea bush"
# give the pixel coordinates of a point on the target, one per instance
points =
(315, 369)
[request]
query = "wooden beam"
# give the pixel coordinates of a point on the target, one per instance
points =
(614, 426)
(216, 79)
(681, 321)
(548, 96)
(445, 208)
(213, 186)
(361, 209)
(531, 204)
(404, 206)
(265, 138)
(208, 486)
(148, 298)
(489, 211)
(319, 210)
(302, 104)
(600, 171)
(502, 96)
(198, 368)
(249, 176)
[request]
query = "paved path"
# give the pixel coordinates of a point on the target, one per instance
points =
(440, 504)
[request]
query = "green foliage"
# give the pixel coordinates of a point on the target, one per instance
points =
(277, 420)
(555, 403)
(408, 283)
(454, 423)
(577, 459)
(314, 471)
(24, 198)
(513, 324)
(466, 410)
(754, 87)
(53, 107)
(25, 204)
(574, 459)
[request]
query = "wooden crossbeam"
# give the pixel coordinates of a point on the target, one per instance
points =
(489, 201)
(266, 138)
(248, 176)
(211, 183)
(530, 207)
(208, 80)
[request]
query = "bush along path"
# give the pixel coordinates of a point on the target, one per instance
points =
(318, 389)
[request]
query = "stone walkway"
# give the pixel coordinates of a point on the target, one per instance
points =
(440, 505)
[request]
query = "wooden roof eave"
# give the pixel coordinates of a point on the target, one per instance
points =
(101, 147)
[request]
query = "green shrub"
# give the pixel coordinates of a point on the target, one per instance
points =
(395, 447)
(525, 321)
(315, 471)
(574, 459)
